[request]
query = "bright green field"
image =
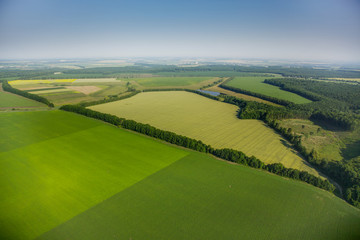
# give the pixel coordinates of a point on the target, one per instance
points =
(65, 176)
(55, 165)
(210, 121)
(9, 100)
(168, 81)
(199, 197)
(255, 84)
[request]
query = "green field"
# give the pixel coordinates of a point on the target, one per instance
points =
(199, 197)
(9, 100)
(213, 122)
(55, 165)
(255, 84)
(169, 81)
(65, 176)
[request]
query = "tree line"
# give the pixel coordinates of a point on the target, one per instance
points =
(344, 172)
(213, 70)
(7, 87)
(226, 154)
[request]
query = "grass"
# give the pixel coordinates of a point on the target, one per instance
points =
(210, 121)
(255, 84)
(199, 197)
(9, 100)
(56, 165)
(332, 145)
(168, 81)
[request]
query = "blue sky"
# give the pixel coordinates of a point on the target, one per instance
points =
(290, 29)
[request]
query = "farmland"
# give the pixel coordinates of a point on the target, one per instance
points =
(199, 197)
(58, 181)
(240, 95)
(56, 165)
(9, 100)
(71, 91)
(255, 84)
(170, 81)
(210, 121)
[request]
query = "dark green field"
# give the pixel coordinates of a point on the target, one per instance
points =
(55, 165)
(65, 176)
(199, 197)
(255, 84)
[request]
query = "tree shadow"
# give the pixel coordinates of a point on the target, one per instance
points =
(327, 126)
(351, 150)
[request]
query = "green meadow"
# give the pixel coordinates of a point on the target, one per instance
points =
(9, 100)
(255, 84)
(65, 176)
(199, 197)
(55, 165)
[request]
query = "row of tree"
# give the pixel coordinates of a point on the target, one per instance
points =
(227, 154)
(111, 98)
(7, 87)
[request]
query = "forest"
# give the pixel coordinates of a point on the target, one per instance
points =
(211, 70)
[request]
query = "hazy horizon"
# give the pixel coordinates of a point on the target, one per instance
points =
(320, 30)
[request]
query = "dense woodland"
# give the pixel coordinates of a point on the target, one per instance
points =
(211, 70)
(226, 154)
(319, 90)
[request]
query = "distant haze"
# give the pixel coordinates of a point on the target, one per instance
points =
(302, 29)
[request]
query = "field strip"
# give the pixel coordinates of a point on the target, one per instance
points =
(52, 91)
(96, 80)
(26, 82)
(52, 181)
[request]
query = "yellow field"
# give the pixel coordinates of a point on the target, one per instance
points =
(347, 79)
(210, 121)
(26, 82)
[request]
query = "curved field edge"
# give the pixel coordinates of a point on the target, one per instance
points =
(48, 180)
(199, 197)
(213, 122)
(256, 85)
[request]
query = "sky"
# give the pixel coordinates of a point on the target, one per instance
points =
(327, 30)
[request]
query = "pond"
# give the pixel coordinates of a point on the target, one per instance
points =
(209, 92)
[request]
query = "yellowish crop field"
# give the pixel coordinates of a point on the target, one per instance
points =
(26, 82)
(210, 121)
(347, 79)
